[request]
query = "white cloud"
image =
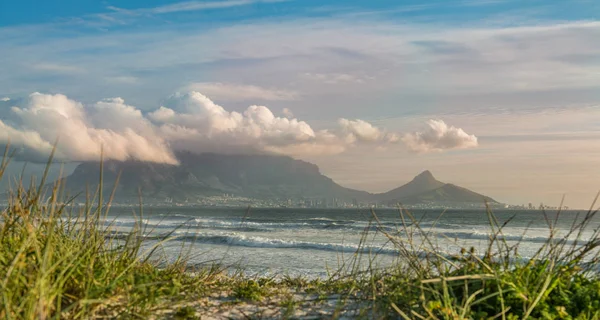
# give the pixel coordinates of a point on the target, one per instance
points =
(187, 121)
(241, 92)
(439, 137)
(118, 129)
(28, 142)
(360, 130)
(191, 121)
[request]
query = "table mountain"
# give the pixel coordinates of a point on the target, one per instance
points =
(254, 176)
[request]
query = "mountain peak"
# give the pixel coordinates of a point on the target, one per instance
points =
(425, 176)
(419, 184)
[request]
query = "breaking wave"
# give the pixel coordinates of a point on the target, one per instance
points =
(241, 240)
(445, 231)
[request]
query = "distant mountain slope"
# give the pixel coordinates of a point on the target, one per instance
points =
(448, 193)
(421, 183)
(253, 176)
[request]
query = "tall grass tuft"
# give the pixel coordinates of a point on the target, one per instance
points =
(561, 281)
(59, 260)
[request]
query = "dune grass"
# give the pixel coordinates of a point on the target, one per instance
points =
(561, 281)
(58, 260)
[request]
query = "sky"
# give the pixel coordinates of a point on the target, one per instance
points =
(499, 96)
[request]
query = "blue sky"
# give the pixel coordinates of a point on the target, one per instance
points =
(515, 83)
(41, 12)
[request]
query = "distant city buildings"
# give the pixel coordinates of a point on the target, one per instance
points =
(232, 200)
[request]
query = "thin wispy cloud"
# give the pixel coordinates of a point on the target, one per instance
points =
(57, 68)
(204, 5)
(334, 78)
(476, 3)
(241, 92)
(117, 17)
(464, 60)
(123, 79)
(191, 6)
(566, 136)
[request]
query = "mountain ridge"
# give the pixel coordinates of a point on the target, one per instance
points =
(254, 176)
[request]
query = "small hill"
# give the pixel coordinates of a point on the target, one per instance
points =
(448, 193)
(423, 182)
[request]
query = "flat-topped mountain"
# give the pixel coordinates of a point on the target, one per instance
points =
(197, 175)
(252, 176)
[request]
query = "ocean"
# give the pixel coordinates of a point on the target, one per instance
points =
(315, 242)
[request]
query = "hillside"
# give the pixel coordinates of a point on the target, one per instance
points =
(423, 182)
(447, 194)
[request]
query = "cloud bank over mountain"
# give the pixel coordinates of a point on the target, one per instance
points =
(191, 121)
(120, 130)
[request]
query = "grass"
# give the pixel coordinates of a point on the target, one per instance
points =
(560, 282)
(59, 261)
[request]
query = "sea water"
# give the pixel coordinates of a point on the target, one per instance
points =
(316, 242)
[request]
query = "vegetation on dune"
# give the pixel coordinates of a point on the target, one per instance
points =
(57, 261)
(560, 282)
(61, 261)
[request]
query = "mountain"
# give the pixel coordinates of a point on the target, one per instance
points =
(447, 194)
(207, 174)
(251, 176)
(420, 184)
(425, 188)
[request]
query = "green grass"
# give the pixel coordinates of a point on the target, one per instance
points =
(60, 261)
(249, 289)
(560, 282)
(186, 313)
(57, 261)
